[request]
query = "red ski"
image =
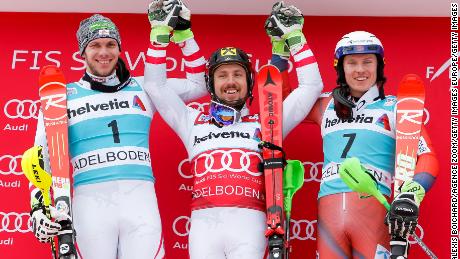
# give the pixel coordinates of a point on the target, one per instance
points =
(53, 99)
(409, 119)
(409, 115)
(269, 82)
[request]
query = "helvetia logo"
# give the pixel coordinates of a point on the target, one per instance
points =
(212, 135)
(384, 122)
(87, 107)
(257, 135)
(358, 119)
(137, 103)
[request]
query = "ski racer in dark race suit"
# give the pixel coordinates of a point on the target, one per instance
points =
(363, 127)
(115, 211)
(228, 205)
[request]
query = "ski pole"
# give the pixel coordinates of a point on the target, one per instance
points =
(40, 179)
(361, 182)
(293, 176)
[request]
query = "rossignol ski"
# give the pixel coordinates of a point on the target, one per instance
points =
(53, 99)
(409, 119)
(409, 115)
(269, 82)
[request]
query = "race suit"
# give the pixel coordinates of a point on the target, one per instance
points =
(228, 199)
(115, 211)
(350, 226)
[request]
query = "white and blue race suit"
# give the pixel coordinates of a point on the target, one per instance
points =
(115, 211)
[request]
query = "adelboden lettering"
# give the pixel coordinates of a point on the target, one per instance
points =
(108, 157)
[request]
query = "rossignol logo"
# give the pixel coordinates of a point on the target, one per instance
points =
(409, 117)
(357, 119)
(212, 135)
(64, 248)
(88, 107)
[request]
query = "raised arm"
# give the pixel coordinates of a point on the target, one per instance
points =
(284, 26)
(167, 102)
(194, 86)
(177, 15)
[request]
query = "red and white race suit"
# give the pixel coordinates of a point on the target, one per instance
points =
(228, 205)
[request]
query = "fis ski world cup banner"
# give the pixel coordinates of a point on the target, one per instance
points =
(33, 40)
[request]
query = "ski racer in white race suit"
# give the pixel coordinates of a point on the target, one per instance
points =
(115, 211)
(357, 120)
(228, 205)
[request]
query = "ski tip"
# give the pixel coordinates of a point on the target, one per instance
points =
(412, 79)
(412, 83)
(268, 67)
(50, 73)
(268, 75)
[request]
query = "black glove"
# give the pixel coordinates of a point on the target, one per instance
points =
(402, 221)
(403, 215)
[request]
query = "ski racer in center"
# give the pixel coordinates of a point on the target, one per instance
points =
(228, 207)
(115, 211)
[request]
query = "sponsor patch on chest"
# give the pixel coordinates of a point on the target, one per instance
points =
(221, 135)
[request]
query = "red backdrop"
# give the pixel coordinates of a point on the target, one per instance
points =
(29, 41)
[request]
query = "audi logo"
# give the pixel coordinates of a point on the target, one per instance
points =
(302, 229)
(181, 170)
(227, 160)
(181, 226)
(312, 171)
(198, 106)
(10, 165)
(23, 109)
(15, 222)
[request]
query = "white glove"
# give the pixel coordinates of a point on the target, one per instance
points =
(184, 11)
(164, 13)
(43, 227)
(163, 19)
(182, 31)
(286, 22)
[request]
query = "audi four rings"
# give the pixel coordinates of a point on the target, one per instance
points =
(226, 161)
(300, 229)
(23, 109)
(15, 222)
(312, 169)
